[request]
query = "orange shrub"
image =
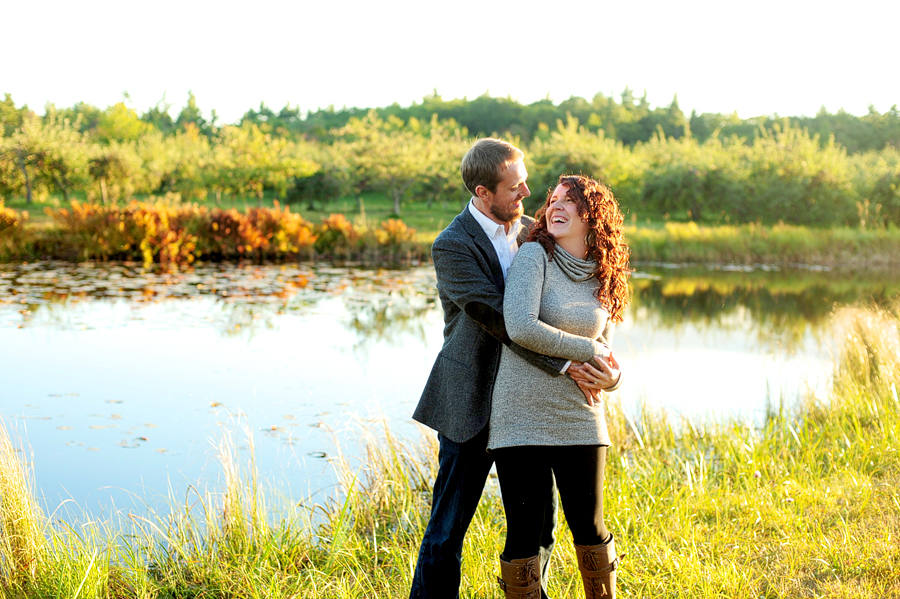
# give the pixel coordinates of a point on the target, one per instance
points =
(394, 233)
(165, 237)
(10, 218)
(221, 236)
(277, 231)
(280, 231)
(175, 233)
(152, 232)
(12, 232)
(336, 235)
(97, 232)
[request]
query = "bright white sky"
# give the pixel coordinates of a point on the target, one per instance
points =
(762, 57)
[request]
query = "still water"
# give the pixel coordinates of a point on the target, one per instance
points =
(122, 380)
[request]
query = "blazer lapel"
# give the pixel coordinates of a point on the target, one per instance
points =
(484, 245)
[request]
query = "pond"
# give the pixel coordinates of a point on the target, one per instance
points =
(122, 380)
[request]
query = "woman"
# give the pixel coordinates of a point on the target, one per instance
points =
(563, 295)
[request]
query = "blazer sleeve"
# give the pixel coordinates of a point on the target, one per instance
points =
(467, 285)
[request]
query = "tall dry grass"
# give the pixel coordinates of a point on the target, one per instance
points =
(22, 522)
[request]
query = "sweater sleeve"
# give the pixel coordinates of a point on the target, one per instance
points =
(522, 306)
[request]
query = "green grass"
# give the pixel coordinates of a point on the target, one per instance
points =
(427, 221)
(805, 505)
(787, 245)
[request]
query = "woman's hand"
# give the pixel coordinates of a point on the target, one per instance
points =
(589, 378)
(610, 367)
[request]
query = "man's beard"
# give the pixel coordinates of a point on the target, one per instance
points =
(508, 215)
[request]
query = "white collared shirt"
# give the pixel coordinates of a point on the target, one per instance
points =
(504, 242)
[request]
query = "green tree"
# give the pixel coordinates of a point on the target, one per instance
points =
(242, 158)
(699, 182)
(320, 187)
(120, 123)
(250, 161)
(10, 117)
(85, 117)
(158, 116)
(795, 178)
(445, 145)
(191, 114)
(25, 152)
(571, 149)
(176, 163)
(877, 177)
(114, 169)
(64, 156)
(384, 154)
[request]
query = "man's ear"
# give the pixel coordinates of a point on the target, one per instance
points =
(482, 192)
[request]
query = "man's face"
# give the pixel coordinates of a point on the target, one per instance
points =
(505, 205)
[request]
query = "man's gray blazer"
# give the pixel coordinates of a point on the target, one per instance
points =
(456, 401)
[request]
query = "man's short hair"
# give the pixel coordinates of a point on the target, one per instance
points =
(485, 162)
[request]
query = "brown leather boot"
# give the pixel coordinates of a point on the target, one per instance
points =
(598, 564)
(521, 578)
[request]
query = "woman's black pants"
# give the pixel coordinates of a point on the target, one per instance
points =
(527, 472)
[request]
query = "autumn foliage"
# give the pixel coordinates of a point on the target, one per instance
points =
(167, 232)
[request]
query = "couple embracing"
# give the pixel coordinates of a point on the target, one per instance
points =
(529, 312)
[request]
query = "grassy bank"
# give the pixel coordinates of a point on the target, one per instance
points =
(841, 248)
(806, 505)
(168, 231)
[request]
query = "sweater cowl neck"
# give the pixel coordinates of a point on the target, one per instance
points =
(575, 268)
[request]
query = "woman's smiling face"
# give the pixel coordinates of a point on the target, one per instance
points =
(563, 220)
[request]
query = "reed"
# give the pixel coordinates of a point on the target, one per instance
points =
(22, 542)
(784, 245)
(804, 503)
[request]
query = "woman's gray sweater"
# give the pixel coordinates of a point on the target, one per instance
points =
(548, 312)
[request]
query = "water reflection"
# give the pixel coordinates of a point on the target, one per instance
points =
(388, 305)
(236, 299)
(123, 374)
(782, 306)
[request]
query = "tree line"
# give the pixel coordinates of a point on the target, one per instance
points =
(780, 170)
(630, 119)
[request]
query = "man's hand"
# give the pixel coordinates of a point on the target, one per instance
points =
(591, 396)
(592, 380)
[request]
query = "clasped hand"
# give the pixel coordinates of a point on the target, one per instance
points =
(592, 380)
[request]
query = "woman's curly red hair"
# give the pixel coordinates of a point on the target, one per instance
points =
(605, 239)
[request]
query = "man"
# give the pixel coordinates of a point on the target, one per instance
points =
(471, 257)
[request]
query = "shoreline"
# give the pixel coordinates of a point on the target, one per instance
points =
(676, 243)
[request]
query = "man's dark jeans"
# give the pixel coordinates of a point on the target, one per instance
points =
(462, 472)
